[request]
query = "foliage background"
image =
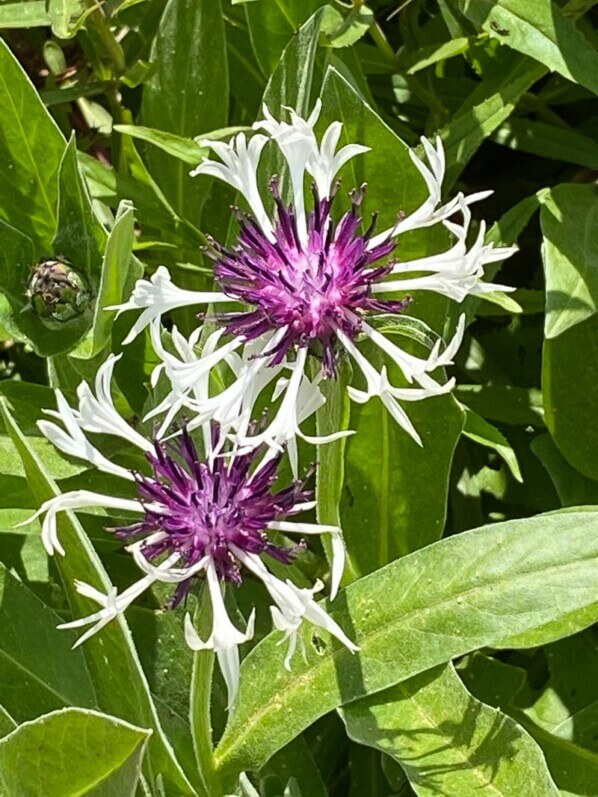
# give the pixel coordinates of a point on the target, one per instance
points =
(478, 664)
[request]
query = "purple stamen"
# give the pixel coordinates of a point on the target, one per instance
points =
(312, 288)
(207, 507)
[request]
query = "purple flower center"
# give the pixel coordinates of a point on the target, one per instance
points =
(311, 288)
(205, 507)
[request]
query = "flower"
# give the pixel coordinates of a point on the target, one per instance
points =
(204, 516)
(308, 284)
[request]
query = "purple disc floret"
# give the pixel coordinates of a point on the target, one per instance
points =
(313, 288)
(208, 506)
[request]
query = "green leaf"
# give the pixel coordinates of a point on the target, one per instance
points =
(482, 432)
(119, 271)
(448, 742)
(573, 488)
(333, 417)
(569, 366)
(38, 669)
(395, 493)
(61, 14)
(24, 15)
(187, 94)
(73, 751)
(291, 83)
(530, 577)
(294, 761)
(272, 24)
(491, 680)
(344, 30)
(435, 53)
(570, 253)
(80, 238)
(540, 29)
(113, 663)
(486, 108)
(568, 705)
(112, 188)
(504, 403)
(574, 769)
(559, 143)
(186, 149)
(31, 148)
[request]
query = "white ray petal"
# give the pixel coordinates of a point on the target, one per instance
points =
(159, 295)
(76, 499)
(225, 638)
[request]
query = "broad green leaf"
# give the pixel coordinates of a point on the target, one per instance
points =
(272, 24)
(482, 432)
(73, 752)
(24, 15)
(568, 705)
(394, 498)
(559, 143)
(486, 108)
(31, 148)
(504, 403)
(166, 659)
(540, 29)
(569, 367)
(111, 187)
(333, 417)
(113, 663)
(370, 775)
(457, 595)
(187, 94)
(119, 270)
(290, 86)
(80, 238)
(508, 228)
(570, 253)
(491, 680)
(573, 488)
(574, 769)
(395, 493)
(293, 761)
(448, 742)
(18, 255)
(39, 671)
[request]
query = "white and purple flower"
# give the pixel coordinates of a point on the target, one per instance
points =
(308, 285)
(204, 516)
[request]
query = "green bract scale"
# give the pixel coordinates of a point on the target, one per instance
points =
(57, 292)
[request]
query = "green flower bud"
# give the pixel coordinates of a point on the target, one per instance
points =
(57, 292)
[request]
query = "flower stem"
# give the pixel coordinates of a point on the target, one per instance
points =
(201, 692)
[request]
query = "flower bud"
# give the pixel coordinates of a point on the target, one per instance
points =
(57, 292)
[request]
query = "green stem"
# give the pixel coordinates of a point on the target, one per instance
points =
(111, 48)
(201, 693)
(381, 42)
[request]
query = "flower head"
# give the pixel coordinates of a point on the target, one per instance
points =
(309, 285)
(207, 516)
